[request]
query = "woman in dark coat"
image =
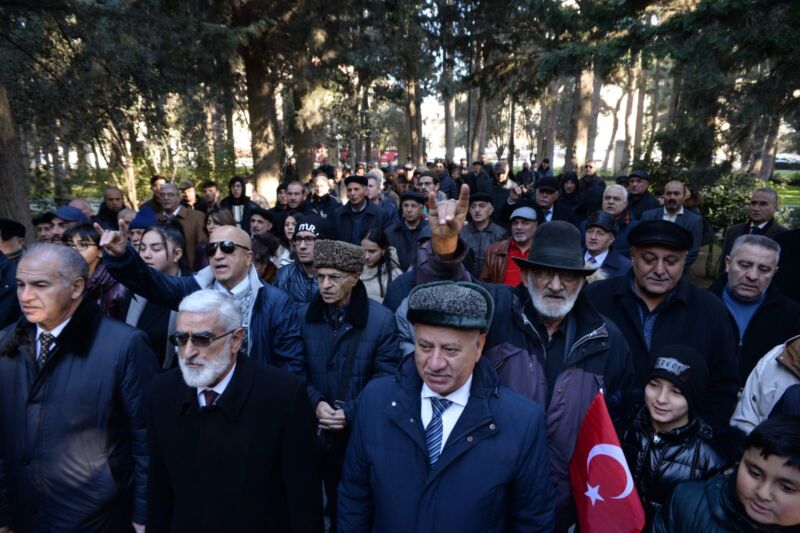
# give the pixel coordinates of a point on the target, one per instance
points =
(239, 203)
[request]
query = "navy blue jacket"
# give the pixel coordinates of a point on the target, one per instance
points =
(615, 264)
(492, 474)
(274, 333)
(690, 316)
(399, 288)
(74, 435)
(378, 352)
(343, 219)
(325, 206)
(405, 242)
(9, 305)
(292, 280)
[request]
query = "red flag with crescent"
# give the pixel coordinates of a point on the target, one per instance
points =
(602, 485)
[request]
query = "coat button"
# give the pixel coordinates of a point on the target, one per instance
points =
(411, 420)
(470, 439)
(394, 404)
(491, 426)
(560, 390)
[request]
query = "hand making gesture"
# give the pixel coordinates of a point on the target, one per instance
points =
(112, 242)
(446, 219)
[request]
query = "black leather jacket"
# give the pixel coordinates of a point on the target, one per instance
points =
(659, 461)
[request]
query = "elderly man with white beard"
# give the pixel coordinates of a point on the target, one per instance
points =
(546, 340)
(232, 439)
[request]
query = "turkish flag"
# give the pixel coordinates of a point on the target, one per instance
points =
(602, 485)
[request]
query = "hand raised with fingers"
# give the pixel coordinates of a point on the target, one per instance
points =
(113, 242)
(446, 219)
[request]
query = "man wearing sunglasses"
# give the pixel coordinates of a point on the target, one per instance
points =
(298, 279)
(349, 340)
(210, 411)
(272, 333)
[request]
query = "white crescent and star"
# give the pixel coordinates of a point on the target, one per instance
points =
(615, 452)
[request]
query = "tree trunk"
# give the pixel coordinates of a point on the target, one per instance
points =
(228, 106)
(570, 155)
(365, 123)
(14, 201)
(596, 104)
(549, 122)
(58, 170)
(449, 107)
(641, 86)
(412, 112)
(654, 105)
(304, 125)
(477, 142)
(629, 84)
(614, 128)
(264, 127)
(585, 95)
(511, 145)
(765, 164)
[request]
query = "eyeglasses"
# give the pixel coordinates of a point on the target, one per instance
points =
(565, 276)
(201, 340)
(227, 247)
(81, 246)
(333, 278)
(306, 240)
(589, 166)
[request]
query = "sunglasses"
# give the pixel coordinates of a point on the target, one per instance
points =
(333, 278)
(227, 247)
(201, 340)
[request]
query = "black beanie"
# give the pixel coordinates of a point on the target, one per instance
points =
(685, 368)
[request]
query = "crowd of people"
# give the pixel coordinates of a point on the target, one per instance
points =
(395, 349)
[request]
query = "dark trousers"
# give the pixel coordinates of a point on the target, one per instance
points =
(332, 466)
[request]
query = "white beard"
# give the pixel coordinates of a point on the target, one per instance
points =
(211, 371)
(551, 310)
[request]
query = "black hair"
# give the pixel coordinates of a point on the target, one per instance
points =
(278, 226)
(172, 232)
(377, 235)
(430, 175)
(209, 183)
(10, 229)
(778, 435)
(221, 216)
(155, 178)
(265, 245)
(83, 231)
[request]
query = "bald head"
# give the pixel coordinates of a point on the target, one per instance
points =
(112, 197)
(231, 233)
(83, 205)
(230, 264)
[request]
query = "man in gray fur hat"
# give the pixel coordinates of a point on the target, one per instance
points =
(349, 339)
(443, 446)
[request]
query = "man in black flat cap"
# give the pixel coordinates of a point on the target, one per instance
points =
(655, 304)
(546, 340)
(357, 215)
(639, 198)
(403, 235)
(601, 232)
(480, 231)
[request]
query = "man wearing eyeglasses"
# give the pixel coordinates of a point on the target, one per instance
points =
(272, 334)
(546, 340)
(349, 340)
(298, 279)
(73, 429)
(232, 445)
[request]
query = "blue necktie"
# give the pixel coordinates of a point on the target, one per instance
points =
(433, 433)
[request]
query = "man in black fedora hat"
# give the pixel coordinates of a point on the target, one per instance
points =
(655, 304)
(546, 341)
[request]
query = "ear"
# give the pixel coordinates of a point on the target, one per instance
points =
(77, 287)
(728, 262)
(236, 341)
(357, 275)
(177, 253)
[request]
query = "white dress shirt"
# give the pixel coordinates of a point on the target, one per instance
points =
(450, 416)
(599, 259)
(669, 217)
(55, 332)
(219, 388)
(241, 287)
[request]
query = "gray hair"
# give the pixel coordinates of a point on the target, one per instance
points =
(71, 265)
(621, 188)
(227, 308)
(756, 240)
(771, 192)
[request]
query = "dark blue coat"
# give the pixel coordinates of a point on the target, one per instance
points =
(399, 288)
(74, 435)
(274, 331)
(325, 206)
(616, 264)
(378, 352)
(344, 219)
(292, 280)
(9, 305)
(492, 475)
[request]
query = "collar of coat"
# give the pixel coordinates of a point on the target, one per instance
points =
(357, 311)
(205, 279)
(232, 400)
(485, 381)
(772, 296)
(77, 337)
(624, 285)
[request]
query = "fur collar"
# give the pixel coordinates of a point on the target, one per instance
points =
(76, 338)
(357, 310)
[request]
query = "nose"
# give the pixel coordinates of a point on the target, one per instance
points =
(658, 268)
(555, 283)
(764, 491)
(437, 362)
(24, 293)
(218, 253)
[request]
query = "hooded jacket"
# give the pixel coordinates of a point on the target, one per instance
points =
(491, 476)
(273, 332)
(74, 434)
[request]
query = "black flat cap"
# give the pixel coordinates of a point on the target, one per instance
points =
(413, 195)
(361, 180)
(601, 219)
(480, 197)
(661, 233)
(547, 182)
(11, 228)
(263, 213)
(641, 174)
(44, 218)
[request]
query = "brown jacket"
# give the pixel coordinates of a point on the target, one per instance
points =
(495, 261)
(193, 224)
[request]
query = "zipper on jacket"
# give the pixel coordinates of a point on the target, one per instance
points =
(586, 338)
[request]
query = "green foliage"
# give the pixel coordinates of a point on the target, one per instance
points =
(726, 201)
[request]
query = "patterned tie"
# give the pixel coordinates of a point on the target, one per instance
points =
(592, 262)
(210, 396)
(433, 433)
(46, 341)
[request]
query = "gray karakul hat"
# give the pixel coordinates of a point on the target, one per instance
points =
(451, 304)
(340, 255)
